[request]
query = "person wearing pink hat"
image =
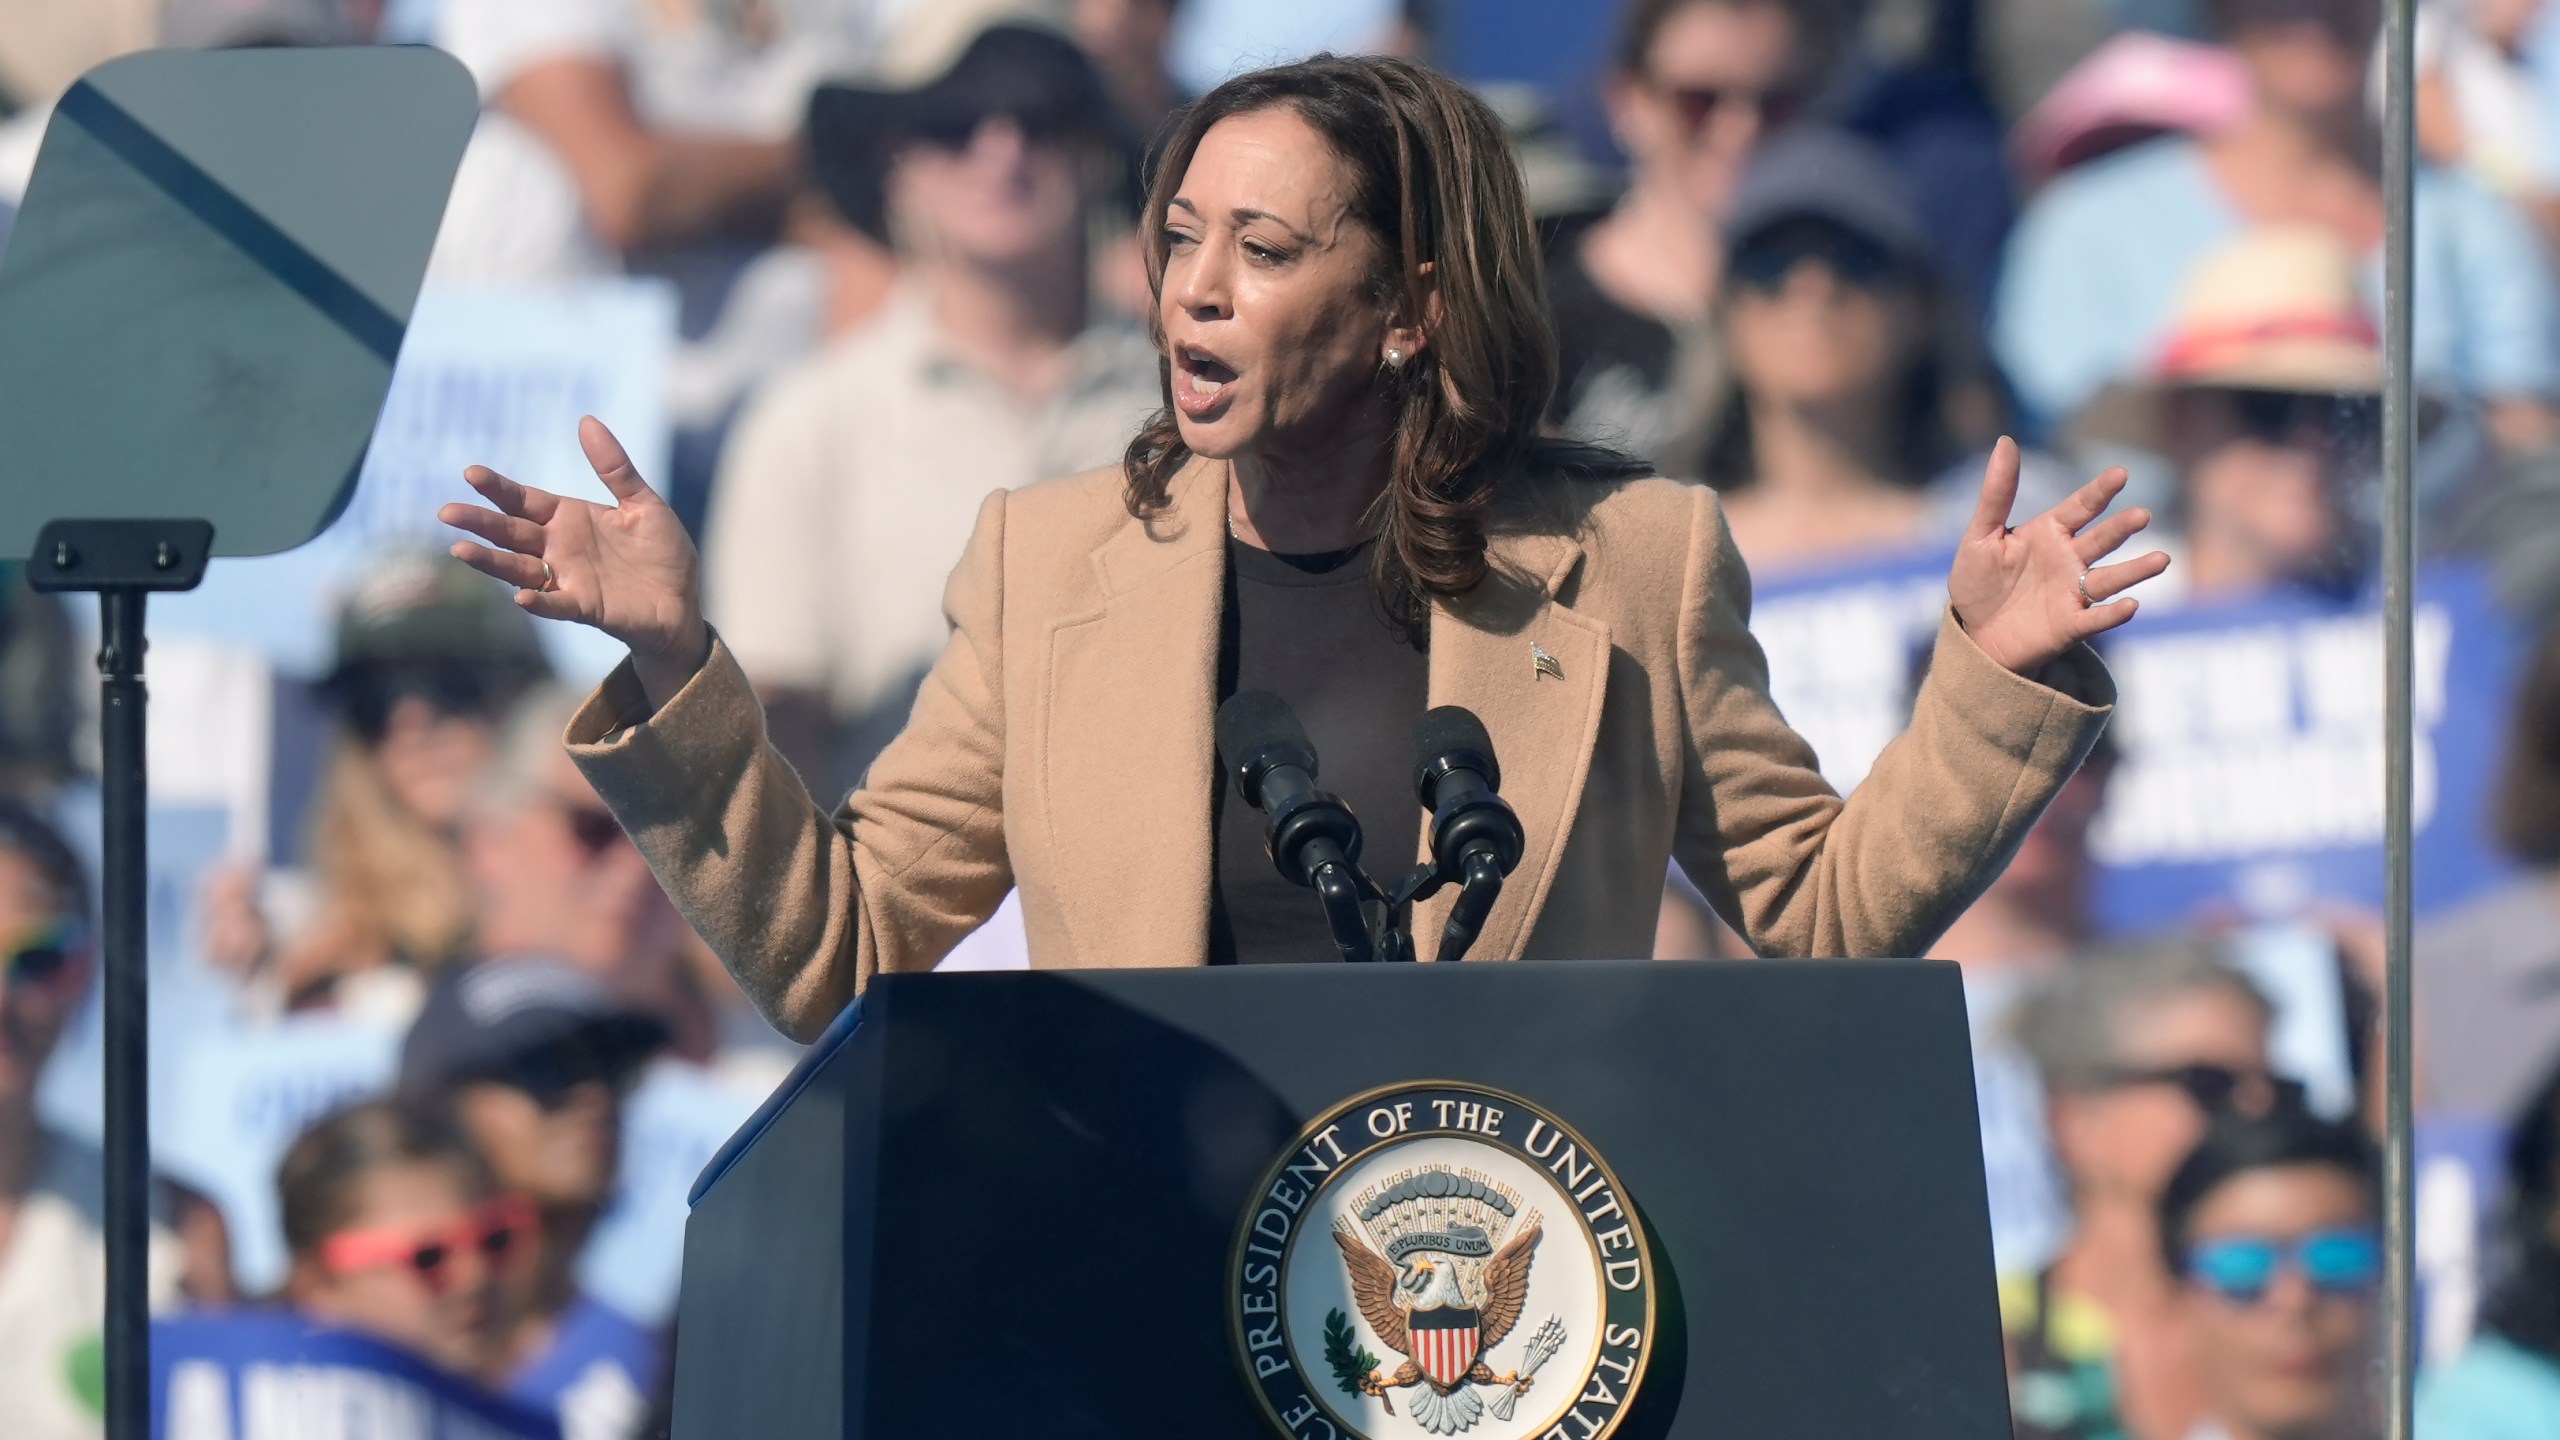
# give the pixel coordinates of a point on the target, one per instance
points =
(2095, 267)
(2136, 87)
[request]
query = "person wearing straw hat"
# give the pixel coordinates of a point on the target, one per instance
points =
(978, 149)
(2264, 397)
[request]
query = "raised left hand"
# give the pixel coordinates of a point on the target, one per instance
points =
(2018, 591)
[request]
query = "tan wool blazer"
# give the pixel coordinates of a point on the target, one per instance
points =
(1063, 744)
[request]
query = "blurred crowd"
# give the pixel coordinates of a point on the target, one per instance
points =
(458, 1057)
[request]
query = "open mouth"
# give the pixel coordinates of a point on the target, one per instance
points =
(1200, 379)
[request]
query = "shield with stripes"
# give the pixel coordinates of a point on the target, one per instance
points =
(1444, 1342)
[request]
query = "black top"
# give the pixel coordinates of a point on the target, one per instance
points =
(1624, 379)
(1310, 629)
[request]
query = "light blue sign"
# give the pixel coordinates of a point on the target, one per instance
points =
(245, 1092)
(490, 377)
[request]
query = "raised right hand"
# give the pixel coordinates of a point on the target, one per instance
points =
(628, 569)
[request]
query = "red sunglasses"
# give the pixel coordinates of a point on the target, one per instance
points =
(491, 1233)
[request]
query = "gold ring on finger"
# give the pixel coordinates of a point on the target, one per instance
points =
(2085, 601)
(551, 581)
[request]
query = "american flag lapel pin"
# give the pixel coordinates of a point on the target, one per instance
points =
(1542, 663)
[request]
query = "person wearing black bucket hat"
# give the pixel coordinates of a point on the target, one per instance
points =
(952, 67)
(533, 1058)
(979, 147)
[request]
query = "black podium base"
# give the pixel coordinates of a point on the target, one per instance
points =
(1006, 1204)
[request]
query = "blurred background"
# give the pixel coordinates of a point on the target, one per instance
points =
(434, 1062)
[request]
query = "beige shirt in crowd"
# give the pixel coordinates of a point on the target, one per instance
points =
(849, 487)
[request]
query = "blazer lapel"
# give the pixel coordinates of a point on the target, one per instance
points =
(1536, 673)
(1131, 755)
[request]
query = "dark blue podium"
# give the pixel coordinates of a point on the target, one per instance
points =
(1020, 1204)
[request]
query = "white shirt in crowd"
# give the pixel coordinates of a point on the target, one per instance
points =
(2493, 96)
(849, 488)
(738, 69)
(53, 1275)
(2494, 101)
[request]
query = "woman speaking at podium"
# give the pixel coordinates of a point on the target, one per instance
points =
(1346, 501)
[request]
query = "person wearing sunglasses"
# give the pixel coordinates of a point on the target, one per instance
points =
(535, 1058)
(2264, 397)
(2272, 1226)
(52, 1240)
(396, 1229)
(423, 670)
(2137, 1052)
(979, 149)
(552, 876)
(1850, 377)
(399, 1244)
(1696, 86)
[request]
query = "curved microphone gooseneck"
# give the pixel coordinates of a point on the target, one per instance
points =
(1313, 837)
(1476, 840)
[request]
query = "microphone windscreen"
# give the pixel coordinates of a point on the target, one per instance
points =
(1448, 729)
(1253, 721)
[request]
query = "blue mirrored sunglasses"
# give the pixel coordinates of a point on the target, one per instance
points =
(2241, 1268)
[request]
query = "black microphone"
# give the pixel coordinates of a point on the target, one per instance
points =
(1313, 837)
(1475, 838)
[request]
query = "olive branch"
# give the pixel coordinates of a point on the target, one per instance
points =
(1352, 1363)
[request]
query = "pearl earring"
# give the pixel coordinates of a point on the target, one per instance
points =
(1395, 359)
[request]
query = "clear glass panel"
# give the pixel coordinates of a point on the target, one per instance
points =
(2153, 236)
(2486, 1181)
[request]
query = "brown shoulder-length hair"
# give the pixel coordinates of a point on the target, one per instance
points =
(1433, 177)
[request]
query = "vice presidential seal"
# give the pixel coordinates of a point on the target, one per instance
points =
(1441, 1259)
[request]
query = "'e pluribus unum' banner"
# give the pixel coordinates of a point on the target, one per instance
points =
(2249, 733)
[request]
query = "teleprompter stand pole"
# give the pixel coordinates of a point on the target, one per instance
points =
(122, 562)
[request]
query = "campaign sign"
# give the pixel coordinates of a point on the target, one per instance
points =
(500, 377)
(2250, 734)
(259, 1374)
(1846, 645)
(2251, 744)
